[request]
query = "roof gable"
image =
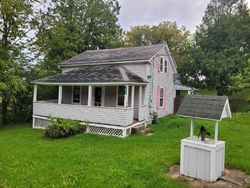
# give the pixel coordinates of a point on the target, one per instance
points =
(207, 107)
(116, 55)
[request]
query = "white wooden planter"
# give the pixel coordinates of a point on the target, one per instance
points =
(202, 159)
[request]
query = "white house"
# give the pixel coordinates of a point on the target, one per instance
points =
(113, 89)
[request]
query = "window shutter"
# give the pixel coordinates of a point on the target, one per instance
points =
(158, 97)
(165, 97)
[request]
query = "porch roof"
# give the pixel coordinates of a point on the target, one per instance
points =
(93, 74)
(183, 87)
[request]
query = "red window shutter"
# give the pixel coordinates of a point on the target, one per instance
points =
(158, 97)
(165, 98)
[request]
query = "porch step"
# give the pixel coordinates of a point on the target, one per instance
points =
(141, 129)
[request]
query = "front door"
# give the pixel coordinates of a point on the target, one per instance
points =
(98, 96)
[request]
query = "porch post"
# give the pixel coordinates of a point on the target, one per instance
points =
(132, 96)
(90, 95)
(60, 95)
(216, 131)
(126, 96)
(35, 93)
(192, 128)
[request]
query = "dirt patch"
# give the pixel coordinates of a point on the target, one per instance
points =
(230, 179)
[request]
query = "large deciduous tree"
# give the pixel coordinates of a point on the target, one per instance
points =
(223, 40)
(176, 37)
(73, 26)
(16, 21)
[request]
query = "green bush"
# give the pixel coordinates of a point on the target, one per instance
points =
(155, 119)
(62, 128)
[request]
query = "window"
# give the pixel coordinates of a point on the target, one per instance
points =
(161, 97)
(121, 92)
(166, 66)
(161, 65)
(76, 94)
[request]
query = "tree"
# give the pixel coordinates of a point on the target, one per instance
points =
(176, 37)
(223, 39)
(73, 26)
(16, 20)
(242, 80)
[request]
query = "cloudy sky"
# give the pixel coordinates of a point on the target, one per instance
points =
(185, 12)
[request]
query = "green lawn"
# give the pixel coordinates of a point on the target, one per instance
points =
(29, 160)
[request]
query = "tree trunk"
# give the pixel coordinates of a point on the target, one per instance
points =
(4, 111)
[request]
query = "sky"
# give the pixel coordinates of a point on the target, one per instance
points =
(186, 13)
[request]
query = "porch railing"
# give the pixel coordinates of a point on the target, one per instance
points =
(102, 115)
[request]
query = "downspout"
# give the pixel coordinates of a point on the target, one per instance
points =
(151, 98)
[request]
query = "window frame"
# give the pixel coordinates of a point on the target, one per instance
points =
(163, 65)
(161, 97)
(80, 95)
(166, 66)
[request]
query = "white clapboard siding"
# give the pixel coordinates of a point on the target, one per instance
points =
(166, 80)
(202, 161)
(138, 68)
(104, 115)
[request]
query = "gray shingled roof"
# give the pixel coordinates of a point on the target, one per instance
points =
(116, 54)
(209, 107)
(94, 73)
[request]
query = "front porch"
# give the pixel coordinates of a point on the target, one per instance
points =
(109, 109)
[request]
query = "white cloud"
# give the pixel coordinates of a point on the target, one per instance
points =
(185, 12)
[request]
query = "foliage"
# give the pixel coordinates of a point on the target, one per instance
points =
(155, 118)
(88, 160)
(17, 18)
(222, 43)
(242, 80)
(62, 128)
(176, 37)
(71, 27)
(240, 101)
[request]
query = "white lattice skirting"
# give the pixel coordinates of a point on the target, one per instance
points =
(43, 122)
(109, 130)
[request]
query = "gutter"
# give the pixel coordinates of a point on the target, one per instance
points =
(87, 84)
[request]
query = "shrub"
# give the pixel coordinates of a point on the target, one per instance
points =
(155, 119)
(62, 128)
(240, 101)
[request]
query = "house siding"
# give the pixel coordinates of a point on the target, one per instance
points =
(103, 115)
(110, 96)
(67, 95)
(164, 80)
(138, 68)
(156, 79)
(84, 95)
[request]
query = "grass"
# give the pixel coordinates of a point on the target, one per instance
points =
(29, 160)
